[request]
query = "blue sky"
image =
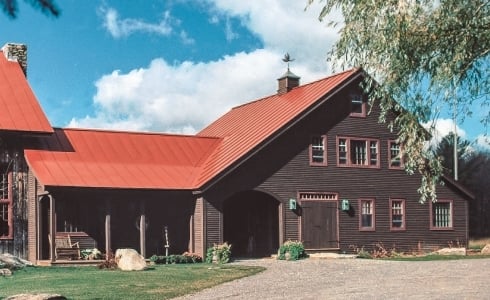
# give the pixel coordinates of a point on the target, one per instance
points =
(167, 65)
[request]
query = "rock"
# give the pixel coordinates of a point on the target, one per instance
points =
(36, 297)
(5, 272)
(452, 251)
(129, 260)
(13, 262)
(486, 250)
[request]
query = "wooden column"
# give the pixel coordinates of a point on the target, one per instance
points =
(142, 229)
(108, 247)
(52, 228)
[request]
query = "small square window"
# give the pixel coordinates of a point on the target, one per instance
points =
(442, 215)
(358, 106)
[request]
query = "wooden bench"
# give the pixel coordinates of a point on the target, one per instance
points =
(65, 249)
(70, 244)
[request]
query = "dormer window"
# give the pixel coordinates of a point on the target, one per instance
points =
(358, 106)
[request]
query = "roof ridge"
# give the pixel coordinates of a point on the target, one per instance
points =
(120, 131)
(353, 70)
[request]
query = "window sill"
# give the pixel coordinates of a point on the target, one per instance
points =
(442, 228)
(397, 229)
(367, 229)
(359, 166)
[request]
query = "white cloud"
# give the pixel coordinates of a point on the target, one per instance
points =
(185, 97)
(442, 127)
(483, 142)
(118, 27)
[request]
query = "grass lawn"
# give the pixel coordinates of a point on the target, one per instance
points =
(158, 282)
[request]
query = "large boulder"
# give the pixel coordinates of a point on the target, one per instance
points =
(452, 251)
(486, 250)
(12, 262)
(129, 260)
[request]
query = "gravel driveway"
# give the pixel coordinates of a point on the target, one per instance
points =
(358, 279)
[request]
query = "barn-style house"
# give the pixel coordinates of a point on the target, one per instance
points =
(307, 163)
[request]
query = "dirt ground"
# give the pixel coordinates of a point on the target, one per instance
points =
(358, 279)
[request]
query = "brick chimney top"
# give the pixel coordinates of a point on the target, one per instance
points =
(17, 53)
(287, 82)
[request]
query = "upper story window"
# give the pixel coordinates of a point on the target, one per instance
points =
(397, 215)
(357, 152)
(395, 155)
(318, 150)
(441, 215)
(367, 214)
(358, 105)
(6, 206)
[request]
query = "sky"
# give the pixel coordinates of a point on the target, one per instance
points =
(171, 65)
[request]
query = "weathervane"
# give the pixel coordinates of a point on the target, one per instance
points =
(287, 59)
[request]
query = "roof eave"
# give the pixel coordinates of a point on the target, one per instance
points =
(204, 186)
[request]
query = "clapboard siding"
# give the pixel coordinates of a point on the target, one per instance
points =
(214, 225)
(282, 169)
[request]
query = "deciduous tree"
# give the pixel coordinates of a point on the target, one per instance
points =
(426, 55)
(48, 7)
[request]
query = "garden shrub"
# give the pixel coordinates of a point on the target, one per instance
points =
(185, 258)
(219, 253)
(292, 250)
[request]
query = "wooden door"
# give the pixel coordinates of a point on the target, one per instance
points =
(319, 226)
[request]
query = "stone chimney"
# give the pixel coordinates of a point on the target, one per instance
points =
(287, 82)
(17, 53)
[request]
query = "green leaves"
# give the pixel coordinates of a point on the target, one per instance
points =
(426, 55)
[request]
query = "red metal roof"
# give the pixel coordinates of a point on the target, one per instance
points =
(109, 159)
(247, 126)
(94, 158)
(20, 110)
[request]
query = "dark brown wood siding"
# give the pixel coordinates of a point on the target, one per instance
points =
(282, 169)
(214, 225)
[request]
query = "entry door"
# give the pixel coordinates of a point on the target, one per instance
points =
(319, 226)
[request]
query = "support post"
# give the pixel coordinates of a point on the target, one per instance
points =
(143, 230)
(52, 228)
(108, 247)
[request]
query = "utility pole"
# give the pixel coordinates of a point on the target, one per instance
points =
(455, 142)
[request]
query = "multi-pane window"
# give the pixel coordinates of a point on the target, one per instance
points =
(367, 216)
(397, 214)
(342, 145)
(395, 158)
(358, 106)
(356, 152)
(442, 215)
(6, 217)
(318, 152)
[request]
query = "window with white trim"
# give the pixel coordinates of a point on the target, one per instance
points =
(442, 214)
(367, 214)
(318, 150)
(395, 155)
(397, 215)
(357, 152)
